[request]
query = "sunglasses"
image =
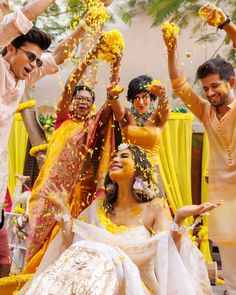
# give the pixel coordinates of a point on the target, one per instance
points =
(32, 57)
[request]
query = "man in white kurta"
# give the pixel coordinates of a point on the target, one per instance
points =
(12, 88)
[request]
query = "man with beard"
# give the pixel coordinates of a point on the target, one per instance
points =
(218, 114)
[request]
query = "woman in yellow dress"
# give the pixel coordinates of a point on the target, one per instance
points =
(142, 124)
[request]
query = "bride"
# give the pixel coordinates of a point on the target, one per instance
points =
(125, 242)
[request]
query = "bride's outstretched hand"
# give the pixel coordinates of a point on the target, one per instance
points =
(193, 210)
(58, 196)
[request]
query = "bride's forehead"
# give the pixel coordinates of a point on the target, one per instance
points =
(123, 152)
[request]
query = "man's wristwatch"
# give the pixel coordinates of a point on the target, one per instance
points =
(226, 22)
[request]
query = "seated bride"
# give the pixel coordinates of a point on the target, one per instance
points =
(125, 242)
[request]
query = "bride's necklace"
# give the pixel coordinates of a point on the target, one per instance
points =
(141, 118)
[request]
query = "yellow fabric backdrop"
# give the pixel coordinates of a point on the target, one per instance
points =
(16, 150)
(175, 160)
(204, 197)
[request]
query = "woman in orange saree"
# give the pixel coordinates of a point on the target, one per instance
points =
(68, 163)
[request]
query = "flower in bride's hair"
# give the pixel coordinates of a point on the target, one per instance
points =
(123, 146)
(140, 184)
(141, 187)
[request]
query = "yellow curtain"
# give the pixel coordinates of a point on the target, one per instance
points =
(16, 150)
(204, 197)
(175, 160)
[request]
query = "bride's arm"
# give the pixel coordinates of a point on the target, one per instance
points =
(59, 199)
(67, 233)
(161, 222)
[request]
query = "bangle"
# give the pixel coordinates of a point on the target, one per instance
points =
(62, 217)
(226, 22)
(35, 149)
(25, 105)
(110, 97)
(66, 217)
(183, 230)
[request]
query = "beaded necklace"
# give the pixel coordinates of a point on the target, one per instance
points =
(141, 118)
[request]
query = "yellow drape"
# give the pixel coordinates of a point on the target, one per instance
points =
(204, 197)
(175, 160)
(16, 150)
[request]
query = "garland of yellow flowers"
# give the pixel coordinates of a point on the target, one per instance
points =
(111, 45)
(35, 149)
(25, 105)
(97, 15)
(170, 33)
(15, 279)
(206, 12)
(106, 221)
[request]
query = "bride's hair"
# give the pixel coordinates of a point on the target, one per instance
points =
(144, 172)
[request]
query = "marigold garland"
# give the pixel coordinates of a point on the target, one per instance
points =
(35, 149)
(207, 12)
(111, 45)
(97, 16)
(170, 32)
(203, 233)
(15, 279)
(19, 210)
(25, 105)
(106, 221)
(152, 84)
(17, 117)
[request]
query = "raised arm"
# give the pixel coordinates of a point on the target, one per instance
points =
(64, 49)
(180, 87)
(106, 112)
(114, 90)
(161, 114)
(162, 221)
(230, 29)
(19, 22)
(225, 22)
(36, 7)
(73, 80)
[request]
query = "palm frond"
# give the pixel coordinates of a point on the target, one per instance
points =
(232, 56)
(162, 9)
(210, 37)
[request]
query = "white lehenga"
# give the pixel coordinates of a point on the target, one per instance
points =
(131, 263)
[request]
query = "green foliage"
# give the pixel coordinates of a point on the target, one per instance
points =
(181, 12)
(160, 9)
(58, 18)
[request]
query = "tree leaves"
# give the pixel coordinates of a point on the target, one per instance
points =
(162, 9)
